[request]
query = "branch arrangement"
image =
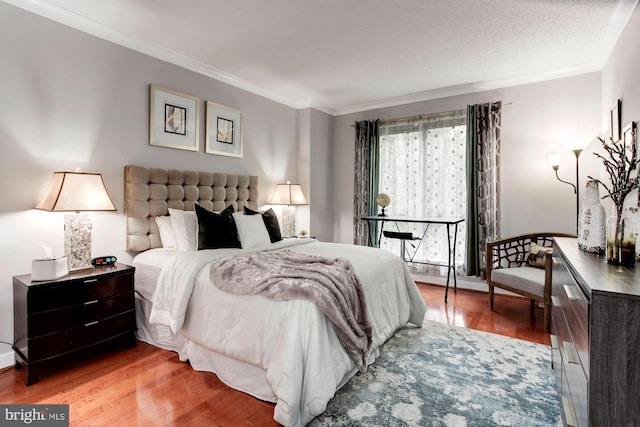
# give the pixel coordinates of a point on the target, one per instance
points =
(619, 165)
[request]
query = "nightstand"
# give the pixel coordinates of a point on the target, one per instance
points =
(56, 322)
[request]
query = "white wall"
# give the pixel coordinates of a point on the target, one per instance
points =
(72, 100)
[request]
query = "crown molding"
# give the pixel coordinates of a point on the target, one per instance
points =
(86, 25)
(615, 27)
(468, 88)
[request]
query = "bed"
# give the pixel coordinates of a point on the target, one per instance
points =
(288, 351)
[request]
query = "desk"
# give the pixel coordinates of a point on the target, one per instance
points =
(449, 222)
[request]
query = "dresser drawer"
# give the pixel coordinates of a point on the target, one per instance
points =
(77, 292)
(576, 312)
(45, 322)
(571, 376)
(73, 339)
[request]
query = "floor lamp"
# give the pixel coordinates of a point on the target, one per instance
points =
(575, 144)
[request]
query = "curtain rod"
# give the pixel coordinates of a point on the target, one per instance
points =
(421, 116)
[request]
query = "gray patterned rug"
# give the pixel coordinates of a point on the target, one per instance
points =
(443, 375)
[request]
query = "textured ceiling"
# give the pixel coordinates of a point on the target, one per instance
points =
(348, 55)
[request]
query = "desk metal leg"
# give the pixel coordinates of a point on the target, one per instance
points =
(451, 264)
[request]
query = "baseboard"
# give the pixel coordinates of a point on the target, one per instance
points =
(470, 283)
(7, 359)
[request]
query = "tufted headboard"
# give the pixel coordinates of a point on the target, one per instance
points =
(150, 192)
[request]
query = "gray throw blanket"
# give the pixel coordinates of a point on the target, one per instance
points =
(329, 283)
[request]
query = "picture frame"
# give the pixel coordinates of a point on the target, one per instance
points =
(616, 112)
(223, 130)
(629, 138)
(173, 119)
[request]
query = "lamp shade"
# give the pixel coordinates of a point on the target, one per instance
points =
(288, 194)
(76, 191)
(554, 159)
(577, 142)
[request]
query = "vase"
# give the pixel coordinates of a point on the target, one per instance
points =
(621, 239)
(592, 221)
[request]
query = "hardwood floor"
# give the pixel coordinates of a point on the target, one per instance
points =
(146, 386)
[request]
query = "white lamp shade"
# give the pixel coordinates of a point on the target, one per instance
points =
(577, 142)
(288, 194)
(554, 159)
(75, 192)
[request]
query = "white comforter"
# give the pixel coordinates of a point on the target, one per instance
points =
(291, 341)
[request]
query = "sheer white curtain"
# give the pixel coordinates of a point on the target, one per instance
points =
(422, 168)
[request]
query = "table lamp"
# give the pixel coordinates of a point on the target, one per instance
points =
(76, 192)
(289, 195)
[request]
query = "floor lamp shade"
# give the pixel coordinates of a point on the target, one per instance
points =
(290, 195)
(76, 192)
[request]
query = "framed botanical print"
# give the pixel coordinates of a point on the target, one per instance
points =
(629, 139)
(223, 130)
(173, 119)
(616, 112)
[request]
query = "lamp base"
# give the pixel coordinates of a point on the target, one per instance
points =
(77, 241)
(289, 221)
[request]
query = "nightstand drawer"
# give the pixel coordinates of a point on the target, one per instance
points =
(46, 322)
(73, 339)
(77, 292)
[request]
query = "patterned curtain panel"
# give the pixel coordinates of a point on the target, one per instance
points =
(483, 183)
(366, 144)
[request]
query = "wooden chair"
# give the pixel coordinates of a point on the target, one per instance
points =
(507, 268)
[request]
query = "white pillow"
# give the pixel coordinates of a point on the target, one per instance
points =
(167, 236)
(185, 228)
(251, 230)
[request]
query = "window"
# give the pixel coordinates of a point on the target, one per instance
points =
(421, 166)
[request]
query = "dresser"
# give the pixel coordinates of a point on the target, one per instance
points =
(57, 322)
(595, 337)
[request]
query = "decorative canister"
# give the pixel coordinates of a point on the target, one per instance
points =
(592, 221)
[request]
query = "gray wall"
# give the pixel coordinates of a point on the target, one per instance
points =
(73, 100)
(539, 115)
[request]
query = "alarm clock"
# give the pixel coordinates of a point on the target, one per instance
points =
(104, 260)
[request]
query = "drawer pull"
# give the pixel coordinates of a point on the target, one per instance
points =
(568, 348)
(569, 292)
(90, 280)
(91, 323)
(554, 342)
(91, 302)
(568, 414)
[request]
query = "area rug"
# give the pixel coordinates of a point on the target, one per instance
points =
(441, 375)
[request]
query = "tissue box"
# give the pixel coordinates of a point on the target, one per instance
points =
(49, 268)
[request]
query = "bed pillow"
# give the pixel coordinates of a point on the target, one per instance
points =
(216, 230)
(185, 228)
(270, 221)
(251, 230)
(167, 236)
(537, 254)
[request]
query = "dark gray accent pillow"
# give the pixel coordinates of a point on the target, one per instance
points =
(270, 221)
(217, 230)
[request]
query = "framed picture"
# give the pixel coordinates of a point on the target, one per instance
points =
(224, 130)
(629, 138)
(616, 112)
(173, 119)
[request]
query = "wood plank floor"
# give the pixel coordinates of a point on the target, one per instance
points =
(146, 386)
